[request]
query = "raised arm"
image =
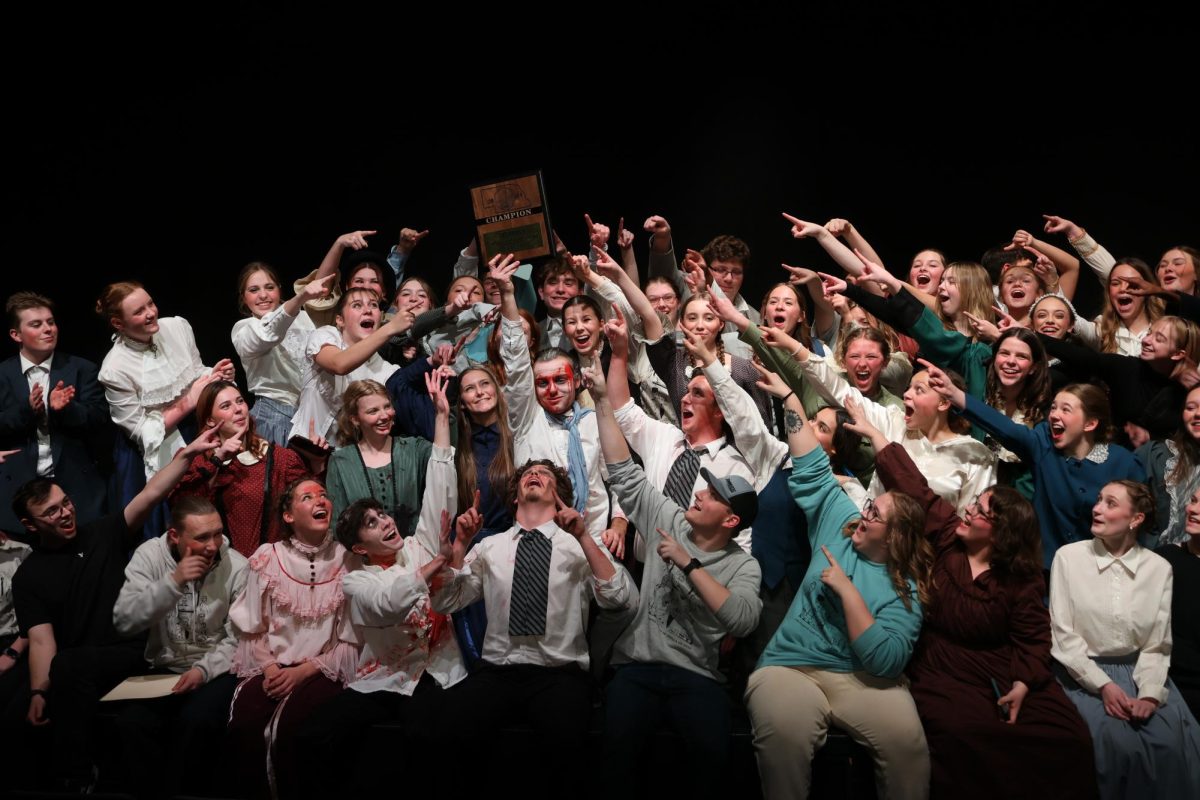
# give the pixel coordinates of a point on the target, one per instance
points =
(160, 485)
(1092, 252)
(823, 313)
(343, 362)
(844, 229)
(355, 240)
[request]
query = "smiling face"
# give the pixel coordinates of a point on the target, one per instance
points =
(870, 535)
(708, 511)
(949, 295)
(1177, 271)
(198, 535)
(261, 294)
(922, 405)
(413, 297)
(1018, 289)
(1191, 522)
(1067, 421)
(582, 326)
(471, 286)
(359, 317)
(927, 270)
(36, 333)
(309, 510)
(662, 297)
(53, 518)
(1013, 361)
(864, 363)
(1191, 414)
(1113, 515)
(378, 535)
(1159, 344)
(139, 316)
(229, 412)
(555, 384)
(699, 320)
(1126, 306)
(556, 290)
(479, 395)
(782, 309)
(374, 413)
(975, 525)
(1052, 317)
(366, 276)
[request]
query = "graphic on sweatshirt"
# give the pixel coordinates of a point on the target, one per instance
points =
(671, 608)
(189, 623)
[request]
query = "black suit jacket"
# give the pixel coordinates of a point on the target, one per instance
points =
(80, 438)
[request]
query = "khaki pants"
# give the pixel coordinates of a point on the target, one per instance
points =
(792, 707)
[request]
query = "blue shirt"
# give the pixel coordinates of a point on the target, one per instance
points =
(814, 632)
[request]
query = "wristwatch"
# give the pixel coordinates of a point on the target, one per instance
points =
(691, 565)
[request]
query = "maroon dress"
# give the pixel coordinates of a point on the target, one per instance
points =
(976, 631)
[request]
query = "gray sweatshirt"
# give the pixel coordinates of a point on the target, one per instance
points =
(673, 624)
(189, 626)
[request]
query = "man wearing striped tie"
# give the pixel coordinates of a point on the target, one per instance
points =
(537, 581)
(699, 589)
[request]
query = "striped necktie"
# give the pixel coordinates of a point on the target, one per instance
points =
(530, 586)
(681, 480)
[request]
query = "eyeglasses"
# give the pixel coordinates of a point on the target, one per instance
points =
(725, 271)
(975, 509)
(54, 512)
(870, 512)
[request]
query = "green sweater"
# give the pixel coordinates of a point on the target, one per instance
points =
(347, 480)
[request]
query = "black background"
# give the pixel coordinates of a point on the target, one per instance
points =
(174, 146)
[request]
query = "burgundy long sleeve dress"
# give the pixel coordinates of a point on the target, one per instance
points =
(977, 630)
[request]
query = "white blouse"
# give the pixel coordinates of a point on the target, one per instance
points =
(321, 390)
(140, 380)
(271, 348)
(403, 638)
(957, 469)
(1102, 606)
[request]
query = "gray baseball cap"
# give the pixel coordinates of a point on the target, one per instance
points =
(737, 493)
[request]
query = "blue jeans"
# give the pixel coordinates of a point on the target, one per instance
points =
(641, 698)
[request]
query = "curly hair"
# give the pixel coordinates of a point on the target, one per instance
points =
(909, 554)
(562, 481)
(1016, 535)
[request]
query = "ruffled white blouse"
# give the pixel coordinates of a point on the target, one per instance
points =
(271, 349)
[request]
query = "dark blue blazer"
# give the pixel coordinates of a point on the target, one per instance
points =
(80, 438)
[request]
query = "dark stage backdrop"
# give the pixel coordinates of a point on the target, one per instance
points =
(175, 159)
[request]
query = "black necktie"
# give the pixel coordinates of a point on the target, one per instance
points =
(530, 586)
(681, 480)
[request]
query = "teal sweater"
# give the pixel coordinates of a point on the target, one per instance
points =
(814, 632)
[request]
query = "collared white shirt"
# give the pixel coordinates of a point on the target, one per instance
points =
(39, 375)
(535, 436)
(661, 444)
(488, 573)
(1106, 606)
(958, 469)
(271, 349)
(391, 607)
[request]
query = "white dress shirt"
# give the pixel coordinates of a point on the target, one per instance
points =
(402, 640)
(1103, 606)
(271, 348)
(535, 436)
(488, 573)
(957, 469)
(39, 375)
(140, 380)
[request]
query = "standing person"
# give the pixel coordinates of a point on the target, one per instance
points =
(1110, 605)
(53, 412)
(981, 672)
(64, 595)
(296, 645)
(152, 378)
(538, 580)
(546, 418)
(269, 341)
(372, 462)
(701, 588)
(246, 475)
(179, 587)
(841, 651)
(557, 284)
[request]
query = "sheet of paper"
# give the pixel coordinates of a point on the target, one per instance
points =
(142, 687)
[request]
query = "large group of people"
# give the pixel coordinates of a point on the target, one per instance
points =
(935, 508)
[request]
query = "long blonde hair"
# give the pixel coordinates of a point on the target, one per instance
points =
(1110, 323)
(975, 291)
(909, 554)
(501, 469)
(347, 431)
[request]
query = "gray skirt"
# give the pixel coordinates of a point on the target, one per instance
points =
(272, 420)
(1159, 758)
